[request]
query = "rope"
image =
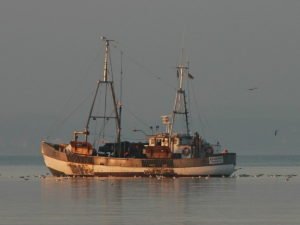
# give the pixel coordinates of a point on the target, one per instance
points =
(147, 70)
(136, 117)
(59, 124)
(105, 103)
(102, 131)
(198, 110)
(189, 102)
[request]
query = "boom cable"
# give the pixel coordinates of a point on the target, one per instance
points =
(63, 121)
(58, 122)
(146, 69)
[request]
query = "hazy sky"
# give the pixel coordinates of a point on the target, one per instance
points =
(51, 56)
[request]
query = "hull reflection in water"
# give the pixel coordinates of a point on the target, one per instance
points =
(136, 201)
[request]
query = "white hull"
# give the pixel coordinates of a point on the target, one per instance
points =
(78, 169)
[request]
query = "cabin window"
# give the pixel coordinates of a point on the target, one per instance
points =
(152, 141)
(165, 142)
(158, 142)
(185, 141)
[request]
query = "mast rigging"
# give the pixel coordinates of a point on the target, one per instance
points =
(109, 87)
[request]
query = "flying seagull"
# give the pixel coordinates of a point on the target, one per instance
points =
(252, 89)
(190, 76)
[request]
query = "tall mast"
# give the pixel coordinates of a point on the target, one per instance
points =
(120, 100)
(180, 105)
(108, 83)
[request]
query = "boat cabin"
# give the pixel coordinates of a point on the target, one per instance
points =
(179, 144)
(81, 147)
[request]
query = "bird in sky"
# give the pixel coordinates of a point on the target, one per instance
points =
(252, 89)
(276, 132)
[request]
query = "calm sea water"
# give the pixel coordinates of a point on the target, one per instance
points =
(264, 190)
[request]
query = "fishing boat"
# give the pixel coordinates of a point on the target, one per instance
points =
(172, 152)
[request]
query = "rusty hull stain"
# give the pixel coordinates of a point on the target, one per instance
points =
(160, 171)
(82, 169)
